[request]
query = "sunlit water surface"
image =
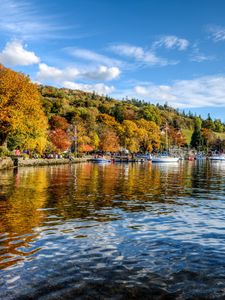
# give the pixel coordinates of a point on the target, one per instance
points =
(113, 231)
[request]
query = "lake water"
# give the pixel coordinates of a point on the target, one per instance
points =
(113, 231)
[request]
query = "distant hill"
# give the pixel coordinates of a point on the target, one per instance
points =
(65, 102)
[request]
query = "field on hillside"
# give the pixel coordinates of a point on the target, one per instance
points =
(188, 133)
(220, 135)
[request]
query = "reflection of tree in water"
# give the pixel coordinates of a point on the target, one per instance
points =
(207, 177)
(19, 212)
(89, 190)
(83, 190)
(6, 182)
(44, 197)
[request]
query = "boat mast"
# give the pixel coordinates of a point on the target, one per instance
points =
(166, 133)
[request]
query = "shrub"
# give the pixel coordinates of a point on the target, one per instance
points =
(4, 151)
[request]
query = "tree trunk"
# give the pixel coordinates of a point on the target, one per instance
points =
(3, 139)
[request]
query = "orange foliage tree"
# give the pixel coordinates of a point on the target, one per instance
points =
(176, 137)
(59, 139)
(58, 122)
(209, 136)
(109, 141)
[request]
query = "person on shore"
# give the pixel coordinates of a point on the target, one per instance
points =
(17, 152)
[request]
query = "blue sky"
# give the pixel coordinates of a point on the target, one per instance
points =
(154, 50)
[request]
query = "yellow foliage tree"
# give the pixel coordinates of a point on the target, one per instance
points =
(21, 112)
(130, 136)
(149, 135)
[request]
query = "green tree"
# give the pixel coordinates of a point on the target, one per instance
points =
(208, 123)
(219, 127)
(151, 113)
(118, 112)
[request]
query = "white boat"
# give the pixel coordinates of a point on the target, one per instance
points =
(165, 159)
(100, 160)
(217, 157)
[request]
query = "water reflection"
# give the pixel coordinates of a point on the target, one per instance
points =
(123, 229)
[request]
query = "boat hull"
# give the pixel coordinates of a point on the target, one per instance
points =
(165, 159)
(217, 158)
(100, 160)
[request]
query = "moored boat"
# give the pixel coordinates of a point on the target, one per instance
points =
(200, 156)
(165, 159)
(217, 157)
(100, 160)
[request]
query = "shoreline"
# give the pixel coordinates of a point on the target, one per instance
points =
(9, 163)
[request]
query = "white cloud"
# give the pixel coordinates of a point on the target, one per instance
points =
(93, 57)
(59, 75)
(14, 54)
(198, 56)
(141, 55)
(217, 33)
(65, 77)
(129, 50)
(56, 75)
(99, 88)
(161, 93)
(103, 73)
(200, 92)
(172, 42)
(25, 20)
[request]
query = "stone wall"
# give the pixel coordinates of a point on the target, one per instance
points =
(6, 163)
(47, 162)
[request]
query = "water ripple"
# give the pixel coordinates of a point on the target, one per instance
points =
(113, 232)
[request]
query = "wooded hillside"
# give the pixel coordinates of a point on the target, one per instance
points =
(47, 119)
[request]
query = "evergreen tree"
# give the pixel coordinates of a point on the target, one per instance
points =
(208, 123)
(196, 139)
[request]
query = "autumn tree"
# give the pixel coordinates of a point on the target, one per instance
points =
(176, 137)
(84, 144)
(58, 122)
(208, 136)
(148, 135)
(110, 122)
(109, 141)
(86, 133)
(59, 139)
(58, 135)
(21, 113)
(130, 137)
